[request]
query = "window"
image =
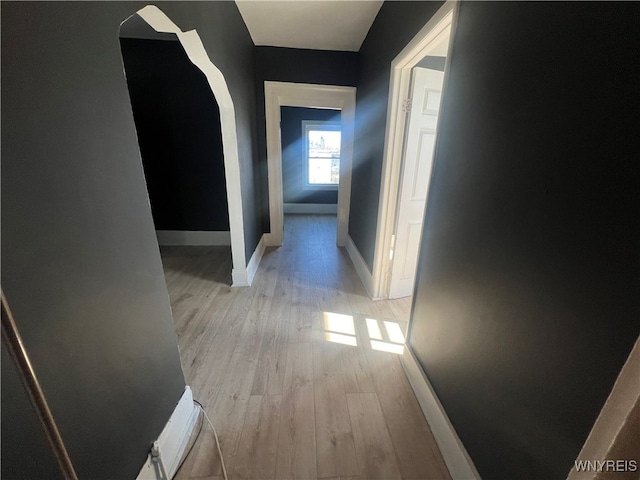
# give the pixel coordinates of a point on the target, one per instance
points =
(321, 154)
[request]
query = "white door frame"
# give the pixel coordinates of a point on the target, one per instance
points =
(284, 94)
(401, 67)
(196, 52)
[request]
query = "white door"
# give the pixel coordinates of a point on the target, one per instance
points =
(426, 88)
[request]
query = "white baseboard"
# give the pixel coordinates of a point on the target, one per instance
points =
(174, 438)
(254, 262)
(269, 240)
(195, 238)
(458, 462)
(239, 278)
(245, 277)
(320, 208)
(361, 266)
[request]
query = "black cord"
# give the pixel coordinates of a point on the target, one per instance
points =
(195, 440)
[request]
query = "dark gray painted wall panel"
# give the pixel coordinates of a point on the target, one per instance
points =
(394, 27)
(293, 167)
(527, 301)
(81, 267)
(230, 48)
(324, 67)
(298, 66)
(178, 126)
(433, 63)
(26, 454)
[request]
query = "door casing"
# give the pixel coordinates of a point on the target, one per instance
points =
(284, 94)
(400, 78)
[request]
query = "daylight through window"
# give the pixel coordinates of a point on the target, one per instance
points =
(323, 154)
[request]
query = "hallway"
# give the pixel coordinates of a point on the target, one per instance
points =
(298, 372)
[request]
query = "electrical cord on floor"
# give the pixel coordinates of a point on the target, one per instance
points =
(195, 440)
(215, 434)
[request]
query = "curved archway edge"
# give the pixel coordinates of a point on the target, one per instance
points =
(197, 54)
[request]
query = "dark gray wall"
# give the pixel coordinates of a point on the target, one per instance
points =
(20, 426)
(81, 267)
(299, 66)
(433, 63)
(230, 48)
(396, 24)
(527, 301)
(178, 125)
(293, 163)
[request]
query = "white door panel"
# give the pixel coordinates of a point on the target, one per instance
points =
(416, 172)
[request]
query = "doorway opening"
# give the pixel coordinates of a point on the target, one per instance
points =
(418, 81)
(195, 188)
(324, 167)
(178, 125)
(311, 147)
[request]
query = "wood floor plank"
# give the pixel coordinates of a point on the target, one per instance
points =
(265, 289)
(203, 460)
(258, 448)
(199, 328)
(296, 457)
(356, 369)
(208, 376)
(301, 316)
(401, 308)
(230, 408)
(336, 455)
(272, 360)
(416, 450)
(374, 450)
(342, 478)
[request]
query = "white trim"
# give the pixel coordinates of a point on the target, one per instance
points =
(252, 268)
(458, 462)
(196, 52)
(614, 416)
(174, 438)
(279, 94)
(269, 241)
(187, 237)
(244, 279)
(239, 278)
(318, 208)
(360, 265)
(394, 138)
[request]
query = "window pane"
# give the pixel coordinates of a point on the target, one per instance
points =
(324, 157)
(324, 171)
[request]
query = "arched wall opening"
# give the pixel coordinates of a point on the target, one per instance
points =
(213, 213)
(178, 125)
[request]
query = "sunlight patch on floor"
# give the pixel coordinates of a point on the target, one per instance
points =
(340, 328)
(394, 331)
(337, 322)
(387, 347)
(339, 338)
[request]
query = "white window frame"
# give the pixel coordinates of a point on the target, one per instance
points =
(330, 126)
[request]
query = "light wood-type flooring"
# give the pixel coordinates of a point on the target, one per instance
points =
(299, 372)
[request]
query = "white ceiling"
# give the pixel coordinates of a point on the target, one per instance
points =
(319, 25)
